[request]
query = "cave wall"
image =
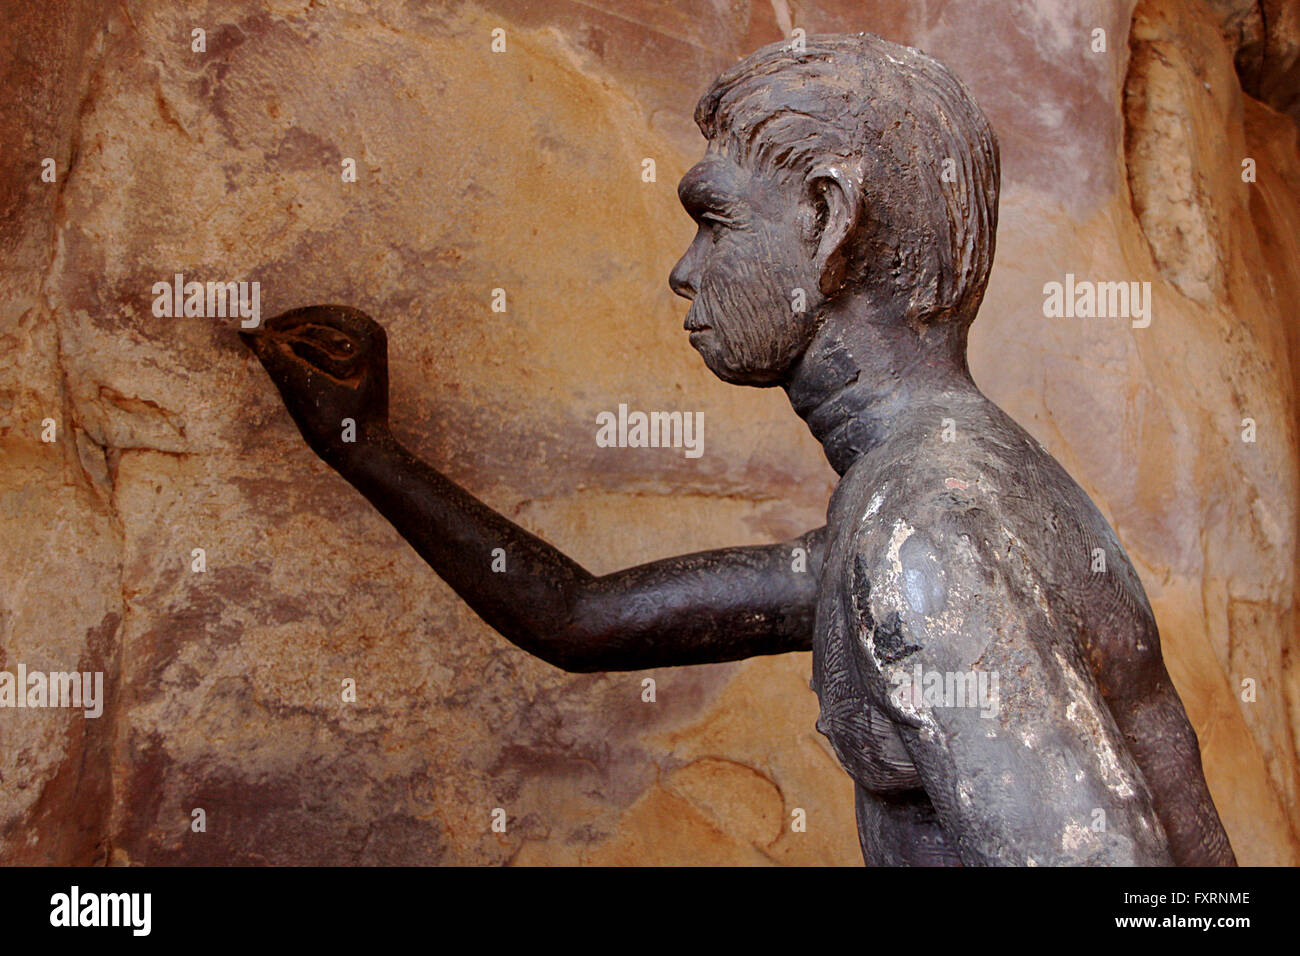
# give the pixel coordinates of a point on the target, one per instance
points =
(522, 170)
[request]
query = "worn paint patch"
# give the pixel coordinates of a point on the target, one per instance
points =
(924, 579)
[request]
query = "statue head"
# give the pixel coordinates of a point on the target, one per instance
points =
(853, 169)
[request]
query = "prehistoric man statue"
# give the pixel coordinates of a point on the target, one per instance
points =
(860, 176)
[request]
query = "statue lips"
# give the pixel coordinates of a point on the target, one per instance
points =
(697, 336)
(694, 326)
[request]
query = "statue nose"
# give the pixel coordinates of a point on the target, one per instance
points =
(679, 279)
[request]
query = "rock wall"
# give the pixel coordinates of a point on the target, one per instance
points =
(522, 170)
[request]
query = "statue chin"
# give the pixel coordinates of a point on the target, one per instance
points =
(723, 364)
(719, 366)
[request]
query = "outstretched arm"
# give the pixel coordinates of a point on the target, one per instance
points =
(713, 606)
(699, 608)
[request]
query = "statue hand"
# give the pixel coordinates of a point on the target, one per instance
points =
(330, 364)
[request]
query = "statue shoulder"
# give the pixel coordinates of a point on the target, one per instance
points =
(954, 561)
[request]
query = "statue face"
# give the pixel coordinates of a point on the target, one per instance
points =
(742, 272)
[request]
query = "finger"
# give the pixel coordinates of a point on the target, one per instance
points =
(287, 371)
(331, 339)
(333, 353)
(351, 322)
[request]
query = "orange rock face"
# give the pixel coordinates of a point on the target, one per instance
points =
(525, 171)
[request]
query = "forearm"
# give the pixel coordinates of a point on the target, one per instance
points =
(527, 597)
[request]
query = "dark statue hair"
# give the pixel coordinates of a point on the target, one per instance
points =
(892, 115)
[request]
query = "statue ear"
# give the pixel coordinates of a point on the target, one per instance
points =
(835, 203)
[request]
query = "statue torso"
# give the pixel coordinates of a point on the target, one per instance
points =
(1007, 491)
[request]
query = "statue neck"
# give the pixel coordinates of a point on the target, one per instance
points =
(863, 375)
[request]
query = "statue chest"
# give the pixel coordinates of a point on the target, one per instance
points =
(858, 727)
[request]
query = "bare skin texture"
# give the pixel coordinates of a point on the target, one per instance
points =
(856, 179)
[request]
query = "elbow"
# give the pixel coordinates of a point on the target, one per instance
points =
(579, 638)
(570, 648)
(570, 659)
(557, 632)
(579, 642)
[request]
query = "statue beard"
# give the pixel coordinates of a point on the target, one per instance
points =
(753, 337)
